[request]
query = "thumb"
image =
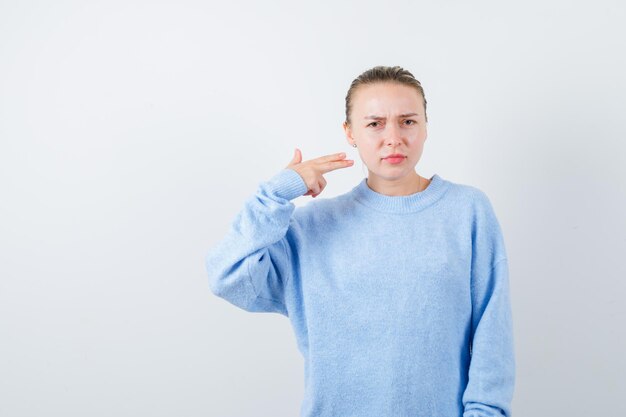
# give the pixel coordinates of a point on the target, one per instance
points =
(297, 157)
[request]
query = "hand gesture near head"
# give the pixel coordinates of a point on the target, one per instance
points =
(312, 170)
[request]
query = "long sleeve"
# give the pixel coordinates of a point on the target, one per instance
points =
(250, 266)
(489, 391)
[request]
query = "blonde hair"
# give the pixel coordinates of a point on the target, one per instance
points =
(383, 74)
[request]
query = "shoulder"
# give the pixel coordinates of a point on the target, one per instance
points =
(485, 223)
(469, 196)
(486, 231)
(318, 217)
(472, 204)
(324, 210)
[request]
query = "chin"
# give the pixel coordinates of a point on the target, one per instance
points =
(389, 176)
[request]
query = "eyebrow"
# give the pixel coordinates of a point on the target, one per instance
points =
(374, 117)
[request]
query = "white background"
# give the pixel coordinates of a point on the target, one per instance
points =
(132, 132)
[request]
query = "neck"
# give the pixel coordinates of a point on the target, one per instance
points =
(409, 184)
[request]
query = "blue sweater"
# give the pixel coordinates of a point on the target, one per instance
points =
(399, 304)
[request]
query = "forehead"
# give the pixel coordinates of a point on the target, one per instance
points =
(386, 97)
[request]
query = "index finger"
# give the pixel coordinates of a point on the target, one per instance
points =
(335, 164)
(332, 157)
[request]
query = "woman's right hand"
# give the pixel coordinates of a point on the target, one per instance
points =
(311, 171)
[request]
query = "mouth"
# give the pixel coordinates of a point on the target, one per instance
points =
(395, 159)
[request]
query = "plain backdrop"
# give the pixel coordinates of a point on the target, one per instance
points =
(131, 133)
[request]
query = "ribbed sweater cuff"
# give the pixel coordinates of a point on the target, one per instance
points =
(287, 184)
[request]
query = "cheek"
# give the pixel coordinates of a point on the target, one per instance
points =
(368, 152)
(370, 134)
(418, 137)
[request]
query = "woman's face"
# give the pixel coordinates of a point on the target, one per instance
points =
(387, 118)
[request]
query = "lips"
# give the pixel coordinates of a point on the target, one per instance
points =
(395, 159)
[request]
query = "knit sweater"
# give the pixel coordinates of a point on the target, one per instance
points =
(400, 304)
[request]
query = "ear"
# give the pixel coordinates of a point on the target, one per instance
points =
(348, 131)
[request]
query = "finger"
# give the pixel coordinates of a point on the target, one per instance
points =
(317, 188)
(331, 157)
(297, 158)
(333, 165)
(322, 186)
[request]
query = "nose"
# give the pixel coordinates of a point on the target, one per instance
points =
(393, 135)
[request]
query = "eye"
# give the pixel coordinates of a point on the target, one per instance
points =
(372, 124)
(412, 121)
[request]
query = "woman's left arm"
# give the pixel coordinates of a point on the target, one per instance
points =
(489, 391)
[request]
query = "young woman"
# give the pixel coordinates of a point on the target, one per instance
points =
(397, 291)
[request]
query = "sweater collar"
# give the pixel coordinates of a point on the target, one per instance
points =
(404, 203)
